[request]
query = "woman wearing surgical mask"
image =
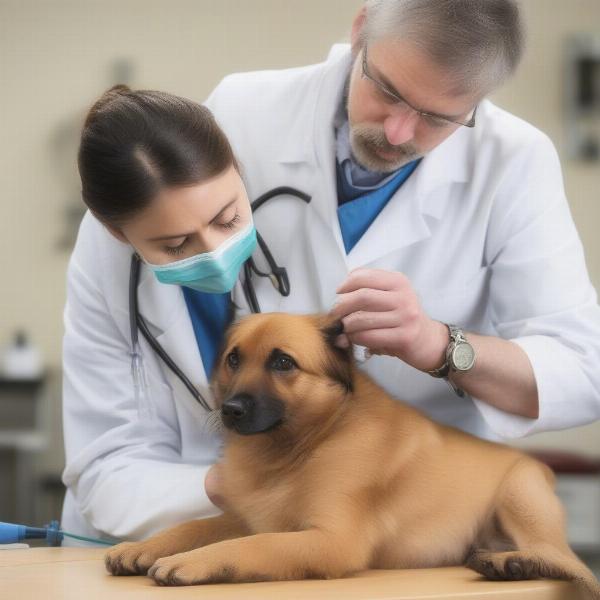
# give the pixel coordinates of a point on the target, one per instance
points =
(160, 180)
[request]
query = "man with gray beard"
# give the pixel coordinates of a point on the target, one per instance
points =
(438, 230)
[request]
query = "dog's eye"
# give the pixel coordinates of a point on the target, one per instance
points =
(233, 360)
(283, 362)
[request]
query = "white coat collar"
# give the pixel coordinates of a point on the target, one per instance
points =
(402, 221)
(444, 163)
(312, 140)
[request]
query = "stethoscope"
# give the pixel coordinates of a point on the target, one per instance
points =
(11, 533)
(278, 276)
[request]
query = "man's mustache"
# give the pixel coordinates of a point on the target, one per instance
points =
(378, 140)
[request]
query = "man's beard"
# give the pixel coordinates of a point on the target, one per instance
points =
(366, 141)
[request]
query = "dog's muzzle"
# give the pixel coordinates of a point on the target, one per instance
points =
(248, 414)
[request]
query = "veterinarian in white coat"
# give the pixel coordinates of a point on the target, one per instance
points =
(481, 230)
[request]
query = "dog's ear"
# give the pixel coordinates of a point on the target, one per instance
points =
(331, 329)
(341, 360)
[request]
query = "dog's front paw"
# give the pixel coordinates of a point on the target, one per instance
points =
(188, 569)
(131, 558)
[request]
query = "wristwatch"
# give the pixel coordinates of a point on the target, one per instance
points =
(460, 357)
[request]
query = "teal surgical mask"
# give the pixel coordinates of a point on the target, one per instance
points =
(215, 272)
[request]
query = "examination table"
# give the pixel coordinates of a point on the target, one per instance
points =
(76, 574)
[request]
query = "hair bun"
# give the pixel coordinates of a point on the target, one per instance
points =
(116, 91)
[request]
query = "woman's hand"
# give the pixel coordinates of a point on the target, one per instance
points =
(212, 486)
(380, 310)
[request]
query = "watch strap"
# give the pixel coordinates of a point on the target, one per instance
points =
(456, 336)
(445, 368)
(441, 371)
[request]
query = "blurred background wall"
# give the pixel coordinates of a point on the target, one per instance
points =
(57, 56)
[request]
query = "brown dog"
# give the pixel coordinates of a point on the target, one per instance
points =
(324, 474)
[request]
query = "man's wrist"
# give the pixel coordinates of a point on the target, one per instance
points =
(441, 345)
(459, 358)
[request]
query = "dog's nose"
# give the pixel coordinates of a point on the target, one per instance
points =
(237, 407)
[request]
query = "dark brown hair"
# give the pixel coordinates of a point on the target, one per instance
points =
(136, 143)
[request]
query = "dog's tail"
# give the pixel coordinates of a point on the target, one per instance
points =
(588, 584)
(530, 515)
(548, 563)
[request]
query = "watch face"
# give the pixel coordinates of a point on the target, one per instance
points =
(463, 357)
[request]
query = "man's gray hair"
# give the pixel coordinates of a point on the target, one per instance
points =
(479, 42)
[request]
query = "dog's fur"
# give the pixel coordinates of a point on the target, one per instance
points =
(324, 474)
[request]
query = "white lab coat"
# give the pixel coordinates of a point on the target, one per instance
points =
(482, 229)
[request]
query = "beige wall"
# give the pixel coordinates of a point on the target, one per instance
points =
(55, 58)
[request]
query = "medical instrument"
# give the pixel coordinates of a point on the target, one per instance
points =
(361, 353)
(12, 533)
(277, 275)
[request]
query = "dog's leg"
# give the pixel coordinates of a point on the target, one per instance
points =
(305, 554)
(531, 515)
(135, 558)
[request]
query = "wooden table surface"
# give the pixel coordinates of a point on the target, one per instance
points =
(79, 574)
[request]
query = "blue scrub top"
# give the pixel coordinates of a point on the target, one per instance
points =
(210, 315)
(358, 207)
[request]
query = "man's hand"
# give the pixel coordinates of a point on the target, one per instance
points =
(380, 310)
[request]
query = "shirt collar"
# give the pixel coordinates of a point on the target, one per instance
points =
(450, 161)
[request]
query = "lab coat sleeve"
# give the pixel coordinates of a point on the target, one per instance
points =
(541, 295)
(123, 467)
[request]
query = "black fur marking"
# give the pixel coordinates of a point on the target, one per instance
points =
(255, 577)
(312, 574)
(225, 575)
(514, 570)
(332, 331)
(339, 367)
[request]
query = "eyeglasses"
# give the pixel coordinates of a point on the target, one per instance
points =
(392, 96)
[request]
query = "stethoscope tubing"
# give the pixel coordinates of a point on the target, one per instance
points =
(138, 323)
(278, 277)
